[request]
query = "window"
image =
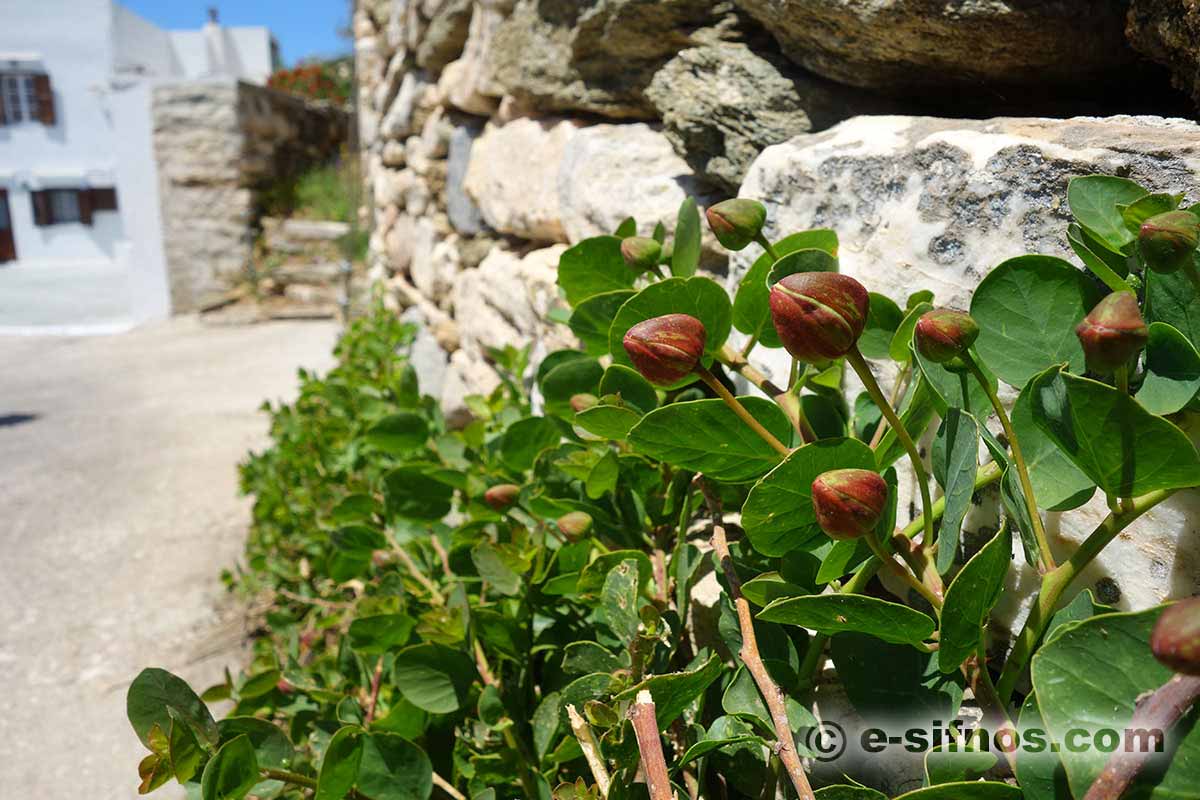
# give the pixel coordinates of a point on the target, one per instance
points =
(26, 97)
(61, 206)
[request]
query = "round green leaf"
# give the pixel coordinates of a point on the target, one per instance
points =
(699, 297)
(841, 613)
(635, 391)
(1123, 448)
(675, 691)
(399, 433)
(1027, 309)
(579, 376)
(1172, 371)
(841, 792)
(1171, 298)
(685, 254)
(592, 267)
(809, 259)
(156, 697)
(525, 439)
(975, 790)
(393, 768)
(339, 766)
(883, 318)
(900, 347)
(231, 773)
(1058, 484)
(778, 516)
(411, 493)
(376, 634)
(1093, 200)
(433, 677)
(271, 745)
(592, 318)
(716, 443)
(611, 422)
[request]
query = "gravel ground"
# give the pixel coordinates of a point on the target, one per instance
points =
(118, 510)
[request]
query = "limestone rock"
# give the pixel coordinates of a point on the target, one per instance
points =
(908, 44)
(925, 203)
(463, 212)
(468, 375)
(469, 83)
(434, 265)
(400, 243)
(721, 104)
(610, 172)
(402, 116)
(425, 355)
(597, 55)
(512, 175)
(447, 33)
(1168, 31)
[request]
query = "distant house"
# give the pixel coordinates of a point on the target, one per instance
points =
(80, 224)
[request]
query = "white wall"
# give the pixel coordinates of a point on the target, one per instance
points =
(140, 47)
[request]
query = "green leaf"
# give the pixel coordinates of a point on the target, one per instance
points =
(593, 576)
(769, 586)
(592, 318)
(525, 439)
(592, 267)
(501, 566)
(434, 677)
(844, 556)
(839, 613)
(1119, 445)
(955, 460)
(611, 422)
(1145, 207)
(377, 634)
(975, 790)
(685, 255)
(358, 539)
(619, 605)
(393, 768)
(675, 691)
(724, 731)
(1027, 309)
(627, 228)
(809, 259)
(841, 792)
(1039, 770)
(545, 724)
(501, 632)
(581, 376)
(743, 699)
(353, 508)
(915, 414)
(582, 658)
(778, 515)
(947, 387)
(339, 766)
(700, 297)
(1172, 371)
(911, 681)
(1095, 255)
(156, 697)
(1089, 677)
(751, 309)
(271, 745)
(184, 751)
(635, 391)
(1093, 200)
(717, 442)
(970, 599)
(260, 684)
(579, 691)
(883, 319)
(1171, 298)
(231, 773)
(900, 347)
(399, 433)
(411, 493)
(1058, 484)
(954, 765)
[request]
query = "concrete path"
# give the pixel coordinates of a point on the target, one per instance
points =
(118, 510)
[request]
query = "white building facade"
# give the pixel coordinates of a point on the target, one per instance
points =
(80, 229)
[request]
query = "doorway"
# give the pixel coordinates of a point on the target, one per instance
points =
(8, 246)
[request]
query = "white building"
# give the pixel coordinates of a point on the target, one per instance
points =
(80, 230)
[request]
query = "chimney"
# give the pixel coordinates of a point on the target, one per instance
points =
(212, 15)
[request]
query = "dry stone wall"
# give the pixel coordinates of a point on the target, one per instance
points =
(496, 132)
(217, 145)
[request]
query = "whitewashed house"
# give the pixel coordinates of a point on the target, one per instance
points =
(80, 229)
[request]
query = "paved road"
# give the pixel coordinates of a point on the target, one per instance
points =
(118, 509)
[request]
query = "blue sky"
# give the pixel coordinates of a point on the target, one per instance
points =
(302, 27)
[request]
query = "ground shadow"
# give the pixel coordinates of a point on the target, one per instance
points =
(12, 420)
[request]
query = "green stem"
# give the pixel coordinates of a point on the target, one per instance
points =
(739, 409)
(787, 402)
(288, 777)
(749, 346)
(1035, 518)
(886, 559)
(765, 245)
(1110, 277)
(1058, 580)
(793, 373)
(965, 386)
(856, 360)
(1122, 377)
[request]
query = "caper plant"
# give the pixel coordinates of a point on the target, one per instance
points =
(514, 608)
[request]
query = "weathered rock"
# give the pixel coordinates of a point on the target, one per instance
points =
(425, 354)
(469, 84)
(633, 162)
(401, 242)
(599, 55)
(393, 154)
(402, 116)
(924, 203)
(512, 175)
(443, 40)
(924, 43)
(721, 104)
(469, 375)
(463, 212)
(1168, 31)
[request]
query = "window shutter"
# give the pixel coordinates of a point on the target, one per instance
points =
(41, 208)
(104, 199)
(3, 116)
(45, 99)
(84, 198)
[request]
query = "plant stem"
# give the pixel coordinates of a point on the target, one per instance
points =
(654, 765)
(741, 411)
(752, 659)
(856, 360)
(1058, 580)
(288, 777)
(591, 750)
(762, 242)
(964, 384)
(435, 595)
(376, 679)
(788, 402)
(746, 350)
(887, 560)
(447, 787)
(1035, 517)
(1158, 712)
